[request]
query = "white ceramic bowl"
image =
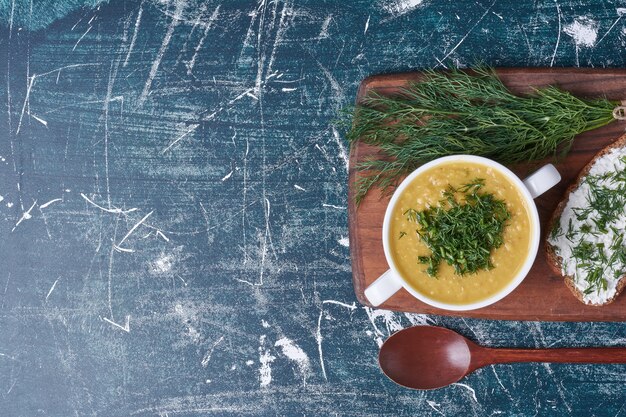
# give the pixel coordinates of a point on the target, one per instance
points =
(530, 188)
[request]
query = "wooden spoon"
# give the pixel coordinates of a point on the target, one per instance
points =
(428, 357)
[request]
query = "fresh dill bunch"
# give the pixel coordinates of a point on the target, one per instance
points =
(461, 233)
(450, 113)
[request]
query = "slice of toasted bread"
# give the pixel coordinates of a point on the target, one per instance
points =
(554, 260)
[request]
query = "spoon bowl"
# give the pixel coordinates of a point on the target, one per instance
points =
(429, 357)
(414, 357)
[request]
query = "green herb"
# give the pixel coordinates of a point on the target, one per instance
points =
(596, 281)
(607, 197)
(570, 231)
(461, 233)
(556, 231)
(402, 234)
(411, 214)
(460, 113)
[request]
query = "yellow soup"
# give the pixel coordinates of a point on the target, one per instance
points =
(427, 190)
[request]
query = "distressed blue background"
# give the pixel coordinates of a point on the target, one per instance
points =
(173, 227)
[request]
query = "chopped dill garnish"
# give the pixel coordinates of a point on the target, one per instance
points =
(556, 231)
(402, 234)
(570, 231)
(411, 215)
(461, 233)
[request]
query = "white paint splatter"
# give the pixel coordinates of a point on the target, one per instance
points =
(209, 353)
(343, 154)
(318, 333)
(558, 37)
(470, 389)
(434, 406)
(583, 30)
(318, 338)
(208, 25)
(25, 216)
(39, 119)
(287, 89)
(119, 247)
(249, 362)
(339, 303)
(324, 30)
(392, 322)
(296, 354)
(114, 210)
(493, 368)
(163, 264)
(44, 205)
(344, 241)
(400, 7)
(125, 327)
(418, 319)
(164, 45)
(265, 324)
(265, 359)
(51, 289)
(1, 198)
(81, 38)
(454, 48)
(194, 334)
(31, 81)
(9, 205)
(182, 135)
(188, 315)
(134, 38)
(227, 176)
(621, 12)
(296, 186)
(333, 206)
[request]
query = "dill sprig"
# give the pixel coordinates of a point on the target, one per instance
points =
(466, 113)
(462, 234)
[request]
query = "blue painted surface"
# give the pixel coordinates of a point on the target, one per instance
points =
(173, 226)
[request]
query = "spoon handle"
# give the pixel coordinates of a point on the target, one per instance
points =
(562, 355)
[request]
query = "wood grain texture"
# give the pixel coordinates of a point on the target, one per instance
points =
(542, 295)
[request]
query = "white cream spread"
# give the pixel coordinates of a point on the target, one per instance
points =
(588, 237)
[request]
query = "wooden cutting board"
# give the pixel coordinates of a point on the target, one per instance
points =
(542, 295)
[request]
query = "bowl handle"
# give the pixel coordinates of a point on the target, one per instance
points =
(384, 287)
(542, 180)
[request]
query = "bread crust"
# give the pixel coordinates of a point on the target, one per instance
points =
(554, 260)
